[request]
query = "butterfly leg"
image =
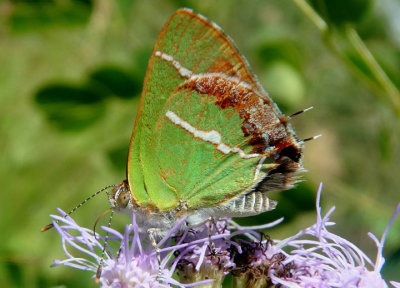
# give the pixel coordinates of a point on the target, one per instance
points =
(211, 220)
(151, 232)
(103, 252)
(197, 222)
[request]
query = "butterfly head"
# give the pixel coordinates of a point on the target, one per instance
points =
(120, 198)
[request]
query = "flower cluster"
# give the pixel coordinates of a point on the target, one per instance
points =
(314, 257)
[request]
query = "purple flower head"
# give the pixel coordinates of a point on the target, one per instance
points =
(207, 258)
(313, 258)
(222, 247)
(126, 262)
(210, 252)
(326, 260)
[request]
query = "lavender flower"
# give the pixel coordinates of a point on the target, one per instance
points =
(209, 258)
(127, 263)
(330, 261)
(313, 258)
(216, 256)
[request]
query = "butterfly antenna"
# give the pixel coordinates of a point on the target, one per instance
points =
(300, 112)
(310, 138)
(103, 252)
(49, 226)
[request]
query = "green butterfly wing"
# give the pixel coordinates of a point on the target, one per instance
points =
(205, 131)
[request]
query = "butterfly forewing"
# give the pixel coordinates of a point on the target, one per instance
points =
(204, 122)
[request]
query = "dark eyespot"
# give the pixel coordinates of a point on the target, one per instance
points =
(292, 152)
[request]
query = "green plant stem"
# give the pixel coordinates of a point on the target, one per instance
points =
(313, 15)
(382, 84)
(381, 77)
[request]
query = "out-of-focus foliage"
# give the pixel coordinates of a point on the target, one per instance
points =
(340, 12)
(70, 78)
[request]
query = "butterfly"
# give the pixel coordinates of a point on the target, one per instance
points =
(208, 141)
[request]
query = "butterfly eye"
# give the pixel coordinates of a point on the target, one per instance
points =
(123, 199)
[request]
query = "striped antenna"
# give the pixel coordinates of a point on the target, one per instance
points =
(310, 138)
(300, 112)
(49, 226)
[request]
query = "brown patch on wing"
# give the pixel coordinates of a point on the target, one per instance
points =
(260, 118)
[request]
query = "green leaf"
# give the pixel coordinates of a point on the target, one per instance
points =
(70, 107)
(117, 81)
(280, 50)
(118, 157)
(32, 15)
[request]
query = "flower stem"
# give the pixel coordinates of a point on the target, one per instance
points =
(381, 77)
(381, 83)
(313, 15)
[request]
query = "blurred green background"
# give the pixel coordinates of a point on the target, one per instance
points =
(71, 73)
